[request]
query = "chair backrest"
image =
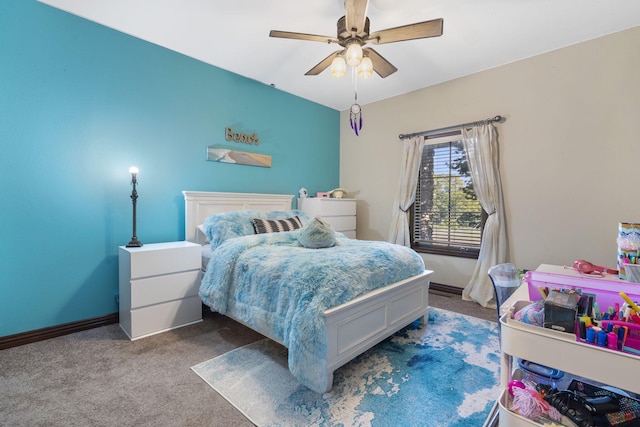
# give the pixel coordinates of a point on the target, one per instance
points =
(506, 280)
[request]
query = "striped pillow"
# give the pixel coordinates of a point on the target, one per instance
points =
(276, 225)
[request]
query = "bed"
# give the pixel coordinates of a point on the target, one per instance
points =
(347, 329)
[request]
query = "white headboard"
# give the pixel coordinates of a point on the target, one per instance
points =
(198, 205)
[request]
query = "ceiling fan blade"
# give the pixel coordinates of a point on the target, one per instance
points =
(302, 36)
(419, 30)
(356, 14)
(324, 64)
(381, 66)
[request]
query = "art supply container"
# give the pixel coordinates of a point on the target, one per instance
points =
(606, 291)
(628, 246)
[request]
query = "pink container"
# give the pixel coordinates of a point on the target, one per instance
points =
(606, 290)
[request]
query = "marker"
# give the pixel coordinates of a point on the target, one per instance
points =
(586, 320)
(631, 303)
(622, 337)
(612, 341)
(542, 292)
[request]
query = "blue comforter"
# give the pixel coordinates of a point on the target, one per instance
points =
(279, 288)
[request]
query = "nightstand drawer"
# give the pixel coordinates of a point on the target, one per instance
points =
(161, 317)
(154, 290)
(162, 258)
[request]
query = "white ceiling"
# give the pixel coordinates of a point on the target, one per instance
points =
(478, 35)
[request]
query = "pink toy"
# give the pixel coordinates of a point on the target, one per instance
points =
(530, 404)
(515, 384)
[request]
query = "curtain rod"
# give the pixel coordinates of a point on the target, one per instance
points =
(451, 128)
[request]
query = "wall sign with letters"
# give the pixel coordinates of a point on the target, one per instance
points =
(230, 135)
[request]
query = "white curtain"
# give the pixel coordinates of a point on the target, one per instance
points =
(481, 145)
(406, 194)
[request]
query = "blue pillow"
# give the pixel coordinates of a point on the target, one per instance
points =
(227, 225)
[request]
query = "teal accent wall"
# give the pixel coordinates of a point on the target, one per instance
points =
(81, 103)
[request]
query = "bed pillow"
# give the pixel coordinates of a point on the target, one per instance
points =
(227, 225)
(317, 234)
(203, 233)
(262, 226)
(205, 252)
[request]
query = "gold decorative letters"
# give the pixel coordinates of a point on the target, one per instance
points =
(230, 135)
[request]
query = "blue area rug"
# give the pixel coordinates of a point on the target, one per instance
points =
(446, 374)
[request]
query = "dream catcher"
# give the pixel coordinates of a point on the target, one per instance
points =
(353, 35)
(355, 116)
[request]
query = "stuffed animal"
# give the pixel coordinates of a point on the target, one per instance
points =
(317, 234)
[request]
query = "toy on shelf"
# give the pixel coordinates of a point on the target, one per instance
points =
(529, 403)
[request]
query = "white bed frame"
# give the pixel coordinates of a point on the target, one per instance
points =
(353, 327)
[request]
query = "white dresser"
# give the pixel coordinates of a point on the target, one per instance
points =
(159, 287)
(340, 213)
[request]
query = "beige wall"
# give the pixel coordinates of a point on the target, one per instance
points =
(570, 150)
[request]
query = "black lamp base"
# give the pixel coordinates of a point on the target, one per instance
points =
(134, 243)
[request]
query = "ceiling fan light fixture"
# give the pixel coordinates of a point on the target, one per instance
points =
(353, 34)
(354, 54)
(338, 67)
(365, 69)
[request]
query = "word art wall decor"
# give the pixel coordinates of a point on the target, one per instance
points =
(230, 135)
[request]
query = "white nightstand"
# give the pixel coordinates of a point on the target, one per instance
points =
(159, 287)
(340, 213)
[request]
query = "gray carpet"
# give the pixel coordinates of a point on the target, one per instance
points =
(100, 378)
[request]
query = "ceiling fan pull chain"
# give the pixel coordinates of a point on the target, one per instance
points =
(354, 79)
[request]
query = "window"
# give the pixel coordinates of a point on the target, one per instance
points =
(447, 216)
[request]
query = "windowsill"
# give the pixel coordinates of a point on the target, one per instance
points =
(446, 252)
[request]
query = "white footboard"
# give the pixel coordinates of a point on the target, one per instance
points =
(356, 326)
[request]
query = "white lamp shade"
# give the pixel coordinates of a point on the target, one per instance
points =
(133, 170)
(338, 67)
(354, 54)
(365, 69)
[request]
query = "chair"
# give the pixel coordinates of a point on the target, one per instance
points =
(506, 280)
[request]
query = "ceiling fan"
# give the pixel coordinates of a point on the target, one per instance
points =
(353, 34)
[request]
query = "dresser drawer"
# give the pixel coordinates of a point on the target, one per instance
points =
(158, 289)
(341, 223)
(159, 258)
(168, 315)
(327, 207)
(350, 234)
